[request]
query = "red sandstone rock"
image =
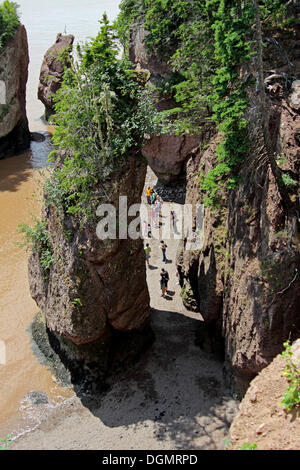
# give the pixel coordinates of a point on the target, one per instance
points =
(52, 70)
(166, 154)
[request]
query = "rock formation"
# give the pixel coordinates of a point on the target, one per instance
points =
(261, 419)
(52, 70)
(14, 59)
(245, 281)
(95, 298)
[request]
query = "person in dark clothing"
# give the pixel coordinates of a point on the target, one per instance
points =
(164, 278)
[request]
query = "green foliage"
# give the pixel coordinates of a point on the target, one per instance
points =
(68, 234)
(232, 46)
(273, 273)
(103, 110)
(38, 237)
(206, 43)
(248, 446)
(77, 302)
(288, 181)
(169, 83)
(162, 20)
(9, 21)
(274, 11)
(291, 398)
(130, 10)
(227, 444)
(5, 442)
(188, 298)
(64, 55)
(281, 160)
(50, 78)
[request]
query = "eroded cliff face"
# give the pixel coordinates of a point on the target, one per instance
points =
(246, 281)
(52, 70)
(166, 154)
(14, 59)
(261, 308)
(95, 298)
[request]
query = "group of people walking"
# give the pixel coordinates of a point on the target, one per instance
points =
(155, 212)
(164, 276)
(155, 203)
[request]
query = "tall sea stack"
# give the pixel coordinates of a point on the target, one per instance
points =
(14, 59)
(52, 70)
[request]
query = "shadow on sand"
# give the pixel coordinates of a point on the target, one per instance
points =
(176, 386)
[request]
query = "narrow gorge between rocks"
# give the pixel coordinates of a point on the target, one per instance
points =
(146, 404)
(202, 106)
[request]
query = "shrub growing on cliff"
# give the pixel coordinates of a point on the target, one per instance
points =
(9, 21)
(5, 442)
(291, 398)
(248, 446)
(288, 181)
(103, 110)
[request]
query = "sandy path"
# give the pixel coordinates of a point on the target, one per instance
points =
(172, 302)
(173, 398)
